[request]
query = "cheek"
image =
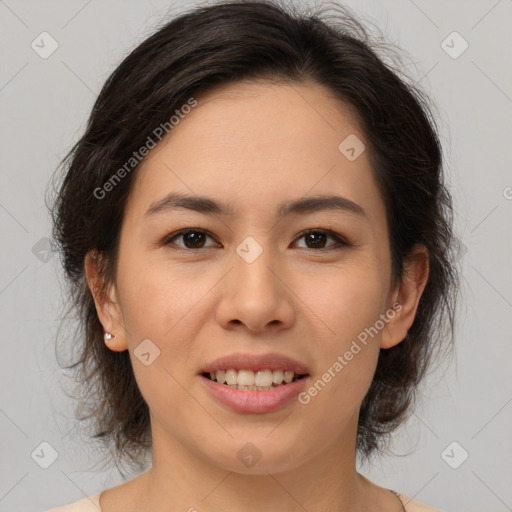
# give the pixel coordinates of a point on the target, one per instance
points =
(166, 304)
(157, 296)
(349, 304)
(162, 304)
(348, 301)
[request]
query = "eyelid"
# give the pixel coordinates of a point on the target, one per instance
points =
(341, 241)
(176, 234)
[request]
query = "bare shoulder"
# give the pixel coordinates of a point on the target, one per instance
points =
(120, 498)
(412, 505)
(124, 497)
(88, 504)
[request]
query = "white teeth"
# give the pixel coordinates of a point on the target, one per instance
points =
(249, 380)
(231, 377)
(263, 378)
(245, 378)
(288, 376)
(277, 376)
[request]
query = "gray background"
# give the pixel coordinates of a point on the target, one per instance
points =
(44, 105)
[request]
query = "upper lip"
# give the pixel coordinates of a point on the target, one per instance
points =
(254, 362)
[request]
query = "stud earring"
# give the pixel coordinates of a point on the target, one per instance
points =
(108, 336)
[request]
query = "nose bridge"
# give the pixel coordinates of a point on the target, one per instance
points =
(252, 273)
(252, 294)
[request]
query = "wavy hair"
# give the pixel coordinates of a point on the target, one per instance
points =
(257, 40)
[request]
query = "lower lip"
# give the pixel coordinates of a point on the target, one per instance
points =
(254, 401)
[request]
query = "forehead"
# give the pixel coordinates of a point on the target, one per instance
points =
(259, 143)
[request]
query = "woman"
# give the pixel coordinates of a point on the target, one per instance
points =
(258, 238)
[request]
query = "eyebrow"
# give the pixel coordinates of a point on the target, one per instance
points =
(207, 205)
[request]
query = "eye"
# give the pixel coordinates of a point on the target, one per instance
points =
(316, 239)
(193, 238)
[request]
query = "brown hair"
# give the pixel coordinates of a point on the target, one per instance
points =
(249, 40)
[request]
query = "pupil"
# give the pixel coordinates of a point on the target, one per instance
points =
(318, 243)
(194, 237)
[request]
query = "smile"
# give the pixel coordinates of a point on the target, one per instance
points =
(249, 380)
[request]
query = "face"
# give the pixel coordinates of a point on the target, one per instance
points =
(304, 287)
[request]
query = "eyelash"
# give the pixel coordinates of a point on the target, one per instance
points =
(341, 242)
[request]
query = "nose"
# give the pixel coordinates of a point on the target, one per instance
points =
(255, 296)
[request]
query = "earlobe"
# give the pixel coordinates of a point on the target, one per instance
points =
(107, 307)
(407, 295)
(114, 343)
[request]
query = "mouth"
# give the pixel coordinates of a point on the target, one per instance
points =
(254, 383)
(249, 380)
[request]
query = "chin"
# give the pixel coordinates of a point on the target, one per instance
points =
(256, 455)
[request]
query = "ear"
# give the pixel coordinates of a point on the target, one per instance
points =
(406, 296)
(106, 302)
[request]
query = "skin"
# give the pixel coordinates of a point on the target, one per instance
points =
(253, 145)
